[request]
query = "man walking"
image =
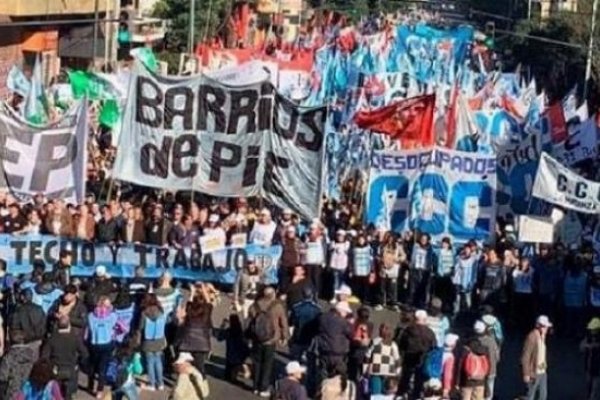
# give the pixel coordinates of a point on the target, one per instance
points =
(534, 361)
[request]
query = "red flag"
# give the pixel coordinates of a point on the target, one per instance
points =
(451, 118)
(410, 121)
(556, 122)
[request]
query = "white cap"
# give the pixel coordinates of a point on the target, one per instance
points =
(479, 327)
(101, 270)
(213, 218)
(344, 289)
(343, 307)
(420, 315)
(509, 228)
(341, 232)
(184, 357)
(294, 367)
(489, 319)
(352, 233)
(544, 321)
(434, 384)
(287, 211)
(450, 340)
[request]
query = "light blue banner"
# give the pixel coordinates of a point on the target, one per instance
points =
(438, 191)
(221, 266)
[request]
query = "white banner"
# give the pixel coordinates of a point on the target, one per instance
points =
(535, 229)
(49, 160)
(558, 185)
(240, 141)
(582, 144)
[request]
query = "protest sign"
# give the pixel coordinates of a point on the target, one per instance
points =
(534, 229)
(190, 264)
(558, 185)
(49, 160)
(239, 240)
(211, 243)
(438, 191)
(245, 141)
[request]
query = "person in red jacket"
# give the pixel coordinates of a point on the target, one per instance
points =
(448, 363)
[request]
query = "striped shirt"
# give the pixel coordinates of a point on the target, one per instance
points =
(445, 262)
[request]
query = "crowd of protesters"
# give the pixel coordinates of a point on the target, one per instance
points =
(454, 305)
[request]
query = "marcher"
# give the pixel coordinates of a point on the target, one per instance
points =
(16, 365)
(196, 328)
(236, 348)
(304, 319)
(190, 382)
(474, 369)
(416, 341)
(590, 346)
(290, 387)
(71, 306)
(338, 386)
(268, 328)
(41, 383)
(66, 351)
(153, 322)
(449, 365)
(485, 335)
(382, 360)
(534, 360)
(421, 268)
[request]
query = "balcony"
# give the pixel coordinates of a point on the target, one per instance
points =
(30, 8)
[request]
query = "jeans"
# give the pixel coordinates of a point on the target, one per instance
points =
(490, 382)
(463, 301)
(388, 291)
(314, 274)
(418, 287)
(154, 365)
(263, 356)
(537, 389)
(128, 390)
(338, 279)
(100, 355)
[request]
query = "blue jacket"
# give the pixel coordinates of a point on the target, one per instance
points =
(304, 319)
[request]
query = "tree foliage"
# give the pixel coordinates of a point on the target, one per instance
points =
(210, 17)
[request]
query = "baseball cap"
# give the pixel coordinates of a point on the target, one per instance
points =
(101, 270)
(420, 314)
(345, 290)
(213, 218)
(294, 367)
(450, 339)
(489, 320)
(479, 327)
(544, 321)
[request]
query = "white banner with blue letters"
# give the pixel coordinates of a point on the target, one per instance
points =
(438, 191)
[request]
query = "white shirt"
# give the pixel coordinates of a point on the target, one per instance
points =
(262, 234)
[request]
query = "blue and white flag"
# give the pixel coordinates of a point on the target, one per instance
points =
(36, 104)
(438, 191)
(17, 82)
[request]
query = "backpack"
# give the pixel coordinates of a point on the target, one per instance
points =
(30, 393)
(116, 372)
(476, 366)
(433, 364)
(263, 328)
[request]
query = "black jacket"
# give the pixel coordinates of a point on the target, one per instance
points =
(64, 350)
(77, 316)
(196, 335)
(335, 334)
(30, 319)
(417, 340)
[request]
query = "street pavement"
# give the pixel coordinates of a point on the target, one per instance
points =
(566, 376)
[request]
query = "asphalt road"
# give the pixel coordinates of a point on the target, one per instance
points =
(566, 377)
